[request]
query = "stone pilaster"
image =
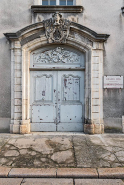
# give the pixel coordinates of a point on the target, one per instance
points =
(16, 90)
(95, 125)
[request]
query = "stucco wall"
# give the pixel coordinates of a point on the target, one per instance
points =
(106, 17)
(101, 16)
(14, 16)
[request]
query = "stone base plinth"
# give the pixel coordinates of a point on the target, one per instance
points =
(25, 129)
(123, 127)
(123, 124)
(20, 127)
(94, 128)
(89, 128)
(14, 129)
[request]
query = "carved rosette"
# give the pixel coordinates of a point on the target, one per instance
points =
(57, 29)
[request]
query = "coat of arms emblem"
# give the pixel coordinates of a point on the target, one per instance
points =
(57, 29)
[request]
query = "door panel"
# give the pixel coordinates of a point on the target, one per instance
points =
(43, 113)
(57, 100)
(43, 127)
(43, 97)
(44, 88)
(71, 100)
(71, 88)
(71, 113)
(69, 127)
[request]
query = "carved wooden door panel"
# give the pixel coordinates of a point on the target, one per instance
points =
(57, 100)
(43, 100)
(70, 101)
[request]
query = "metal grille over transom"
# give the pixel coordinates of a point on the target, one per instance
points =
(57, 89)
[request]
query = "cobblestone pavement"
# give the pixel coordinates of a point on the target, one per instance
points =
(39, 150)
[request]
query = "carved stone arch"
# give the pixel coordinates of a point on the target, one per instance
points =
(32, 38)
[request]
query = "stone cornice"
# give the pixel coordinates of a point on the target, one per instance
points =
(11, 36)
(33, 29)
(89, 32)
(52, 9)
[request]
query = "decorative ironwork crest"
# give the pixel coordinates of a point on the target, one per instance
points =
(57, 29)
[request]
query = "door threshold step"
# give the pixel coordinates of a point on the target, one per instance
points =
(56, 133)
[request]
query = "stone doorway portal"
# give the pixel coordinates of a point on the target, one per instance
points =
(42, 35)
(57, 93)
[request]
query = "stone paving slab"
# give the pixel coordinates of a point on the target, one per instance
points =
(117, 173)
(77, 172)
(37, 151)
(113, 139)
(47, 181)
(101, 173)
(62, 151)
(4, 138)
(26, 172)
(94, 151)
(4, 171)
(98, 182)
(12, 181)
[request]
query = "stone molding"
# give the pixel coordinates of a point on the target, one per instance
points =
(52, 9)
(22, 46)
(39, 27)
(90, 33)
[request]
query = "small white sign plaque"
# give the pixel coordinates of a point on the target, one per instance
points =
(114, 82)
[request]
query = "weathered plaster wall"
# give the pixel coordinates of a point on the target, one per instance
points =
(14, 16)
(101, 16)
(106, 17)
